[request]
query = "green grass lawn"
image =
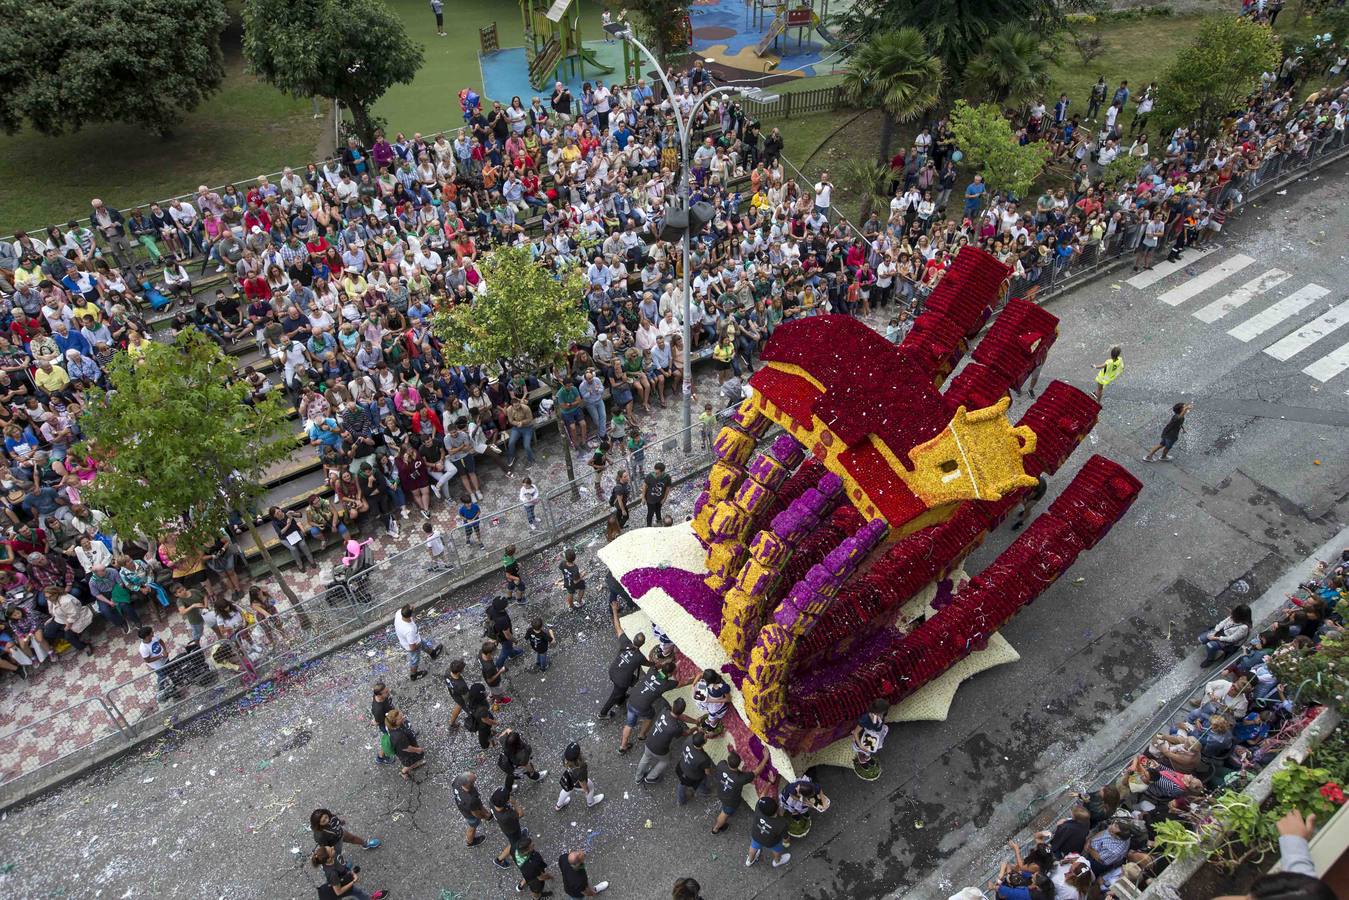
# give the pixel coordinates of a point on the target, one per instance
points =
(431, 102)
(244, 130)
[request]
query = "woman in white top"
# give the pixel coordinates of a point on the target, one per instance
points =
(517, 116)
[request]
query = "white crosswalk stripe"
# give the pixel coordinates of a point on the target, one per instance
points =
(1206, 279)
(1242, 295)
(1166, 267)
(1286, 308)
(1309, 334)
(1330, 365)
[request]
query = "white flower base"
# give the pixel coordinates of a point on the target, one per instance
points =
(678, 548)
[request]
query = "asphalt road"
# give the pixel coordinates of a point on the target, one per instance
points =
(220, 809)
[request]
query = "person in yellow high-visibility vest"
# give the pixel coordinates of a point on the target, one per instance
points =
(1108, 371)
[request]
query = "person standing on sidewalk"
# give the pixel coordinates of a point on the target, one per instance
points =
(1108, 371)
(655, 488)
(1171, 433)
(469, 804)
(529, 499)
(410, 638)
(575, 776)
(575, 880)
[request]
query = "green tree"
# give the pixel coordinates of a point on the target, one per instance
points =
(524, 316)
(178, 448)
(983, 134)
(351, 51)
(956, 29)
(1011, 68)
(66, 64)
(660, 25)
(1214, 75)
(893, 70)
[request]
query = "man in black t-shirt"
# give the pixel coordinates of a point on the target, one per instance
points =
(669, 727)
(575, 881)
(403, 740)
(380, 705)
(769, 832)
(641, 705)
(730, 781)
(1171, 433)
(458, 688)
(655, 488)
(624, 669)
(469, 804)
(693, 768)
(507, 814)
(533, 870)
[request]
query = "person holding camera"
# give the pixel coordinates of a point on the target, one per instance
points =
(339, 879)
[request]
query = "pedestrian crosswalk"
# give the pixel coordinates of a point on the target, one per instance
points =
(1261, 309)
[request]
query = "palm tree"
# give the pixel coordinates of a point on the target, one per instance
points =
(893, 70)
(1010, 68)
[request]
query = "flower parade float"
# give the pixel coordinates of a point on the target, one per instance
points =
(822, 569)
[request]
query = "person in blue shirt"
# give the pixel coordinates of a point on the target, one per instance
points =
(470, 519)
(327, 433)
(974, 196)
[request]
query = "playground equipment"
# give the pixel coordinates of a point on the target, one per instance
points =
(800, 18)
(487, 37)
(553, 40)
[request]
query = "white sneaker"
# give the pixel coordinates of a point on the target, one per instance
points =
(601, 887)
(752, 858)
(533, 527)
(782, 860)
(591, 801)
(220, 268)
(403, 513)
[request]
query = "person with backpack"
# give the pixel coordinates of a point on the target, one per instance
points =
(575, 776)
(339, 879)
(516, 757)
(403, 742)
(655, 488)
(380, 706)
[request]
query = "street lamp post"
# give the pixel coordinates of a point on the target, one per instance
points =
(623, 31)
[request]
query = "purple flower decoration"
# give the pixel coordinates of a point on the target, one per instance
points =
(684, 587)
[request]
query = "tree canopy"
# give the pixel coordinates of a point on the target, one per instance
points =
(178, 448)
(984, 135)
(524, 315)
(1215, 73)
(660, 25)
(66, 64)
(1011, 67)
(351, 51)
(956, 29)
(893, 70)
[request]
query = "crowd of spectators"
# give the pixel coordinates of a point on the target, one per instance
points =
(1231, 729)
